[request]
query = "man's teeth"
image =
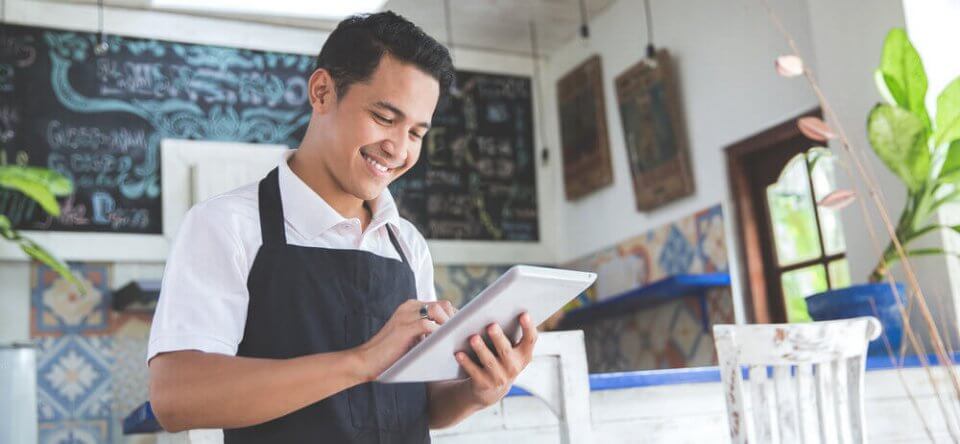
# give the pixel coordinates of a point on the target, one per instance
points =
(383, 168)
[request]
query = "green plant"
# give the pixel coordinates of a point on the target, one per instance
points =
(43, 186)
(924, 152)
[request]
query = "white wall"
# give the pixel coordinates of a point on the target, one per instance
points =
(724, 53)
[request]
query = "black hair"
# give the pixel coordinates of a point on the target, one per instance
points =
(353, 50)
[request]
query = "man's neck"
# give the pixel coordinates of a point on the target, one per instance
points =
(321, 182)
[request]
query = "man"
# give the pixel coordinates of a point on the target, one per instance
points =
(283, 300)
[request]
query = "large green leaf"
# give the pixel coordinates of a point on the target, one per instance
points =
(6, 228)
(948, 114)
(37, 252)
(898, 137)
(904, 74)
(40, 184)
(950, 172)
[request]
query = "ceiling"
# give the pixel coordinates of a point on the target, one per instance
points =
(490, 25)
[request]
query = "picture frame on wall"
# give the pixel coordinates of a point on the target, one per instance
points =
(583, 129)
(654, 133)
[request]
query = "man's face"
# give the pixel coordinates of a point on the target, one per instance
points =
(378, 127)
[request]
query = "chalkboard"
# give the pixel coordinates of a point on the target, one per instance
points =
(476, 177)
(99, 120)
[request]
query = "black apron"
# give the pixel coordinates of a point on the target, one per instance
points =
(306, 300)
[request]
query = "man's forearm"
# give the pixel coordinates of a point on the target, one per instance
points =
(450, 403)
(192, 389)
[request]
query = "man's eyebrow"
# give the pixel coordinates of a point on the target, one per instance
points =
(393, 109)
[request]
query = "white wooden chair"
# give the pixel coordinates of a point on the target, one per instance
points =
(816, 392)
(558, 376)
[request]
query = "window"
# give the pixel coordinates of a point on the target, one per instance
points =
(791, 246)
(808, 239)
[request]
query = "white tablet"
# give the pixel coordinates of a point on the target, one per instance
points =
(536, 290)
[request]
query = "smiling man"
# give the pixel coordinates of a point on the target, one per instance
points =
(283, 300)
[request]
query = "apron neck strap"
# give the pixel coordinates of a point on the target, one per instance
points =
(396, 244)
(271, 210)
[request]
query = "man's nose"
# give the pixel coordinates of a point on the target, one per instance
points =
(394, 150)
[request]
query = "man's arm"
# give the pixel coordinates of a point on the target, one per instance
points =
(450, 403)
(193, 389)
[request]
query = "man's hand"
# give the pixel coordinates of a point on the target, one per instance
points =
(401, 332)
(492, 377)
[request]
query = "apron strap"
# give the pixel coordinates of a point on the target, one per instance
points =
(396, 244)
(271, 210)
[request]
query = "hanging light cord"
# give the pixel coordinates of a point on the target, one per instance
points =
(584, 20)
(651, 51)
(535, 51)
(448, 23)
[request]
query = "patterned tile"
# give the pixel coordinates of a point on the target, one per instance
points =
(58, 308)
(73, 377)
(677, 254)
(686, 330)
(129, 373)
(75, 432)
(711, 244)
(670, 334)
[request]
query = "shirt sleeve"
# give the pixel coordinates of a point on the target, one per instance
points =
(426, 291)
(203, 295)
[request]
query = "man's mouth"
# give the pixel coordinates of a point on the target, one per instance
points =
(376, 164)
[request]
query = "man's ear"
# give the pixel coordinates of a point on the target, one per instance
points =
(322, 91)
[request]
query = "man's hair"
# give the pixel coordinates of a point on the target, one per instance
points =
(353, 51)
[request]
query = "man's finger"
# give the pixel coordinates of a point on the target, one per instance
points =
(489, 361)
(473, 370)
(500, 341)
(437, 313)
(529, 335)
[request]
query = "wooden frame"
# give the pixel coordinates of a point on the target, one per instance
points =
(587, 166)
(653, 132)
(752, 233)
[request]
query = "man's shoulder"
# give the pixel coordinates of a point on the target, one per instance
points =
(235, 207)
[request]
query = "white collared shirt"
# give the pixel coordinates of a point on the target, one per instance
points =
(203, 296)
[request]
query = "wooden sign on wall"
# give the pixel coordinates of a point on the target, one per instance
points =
(583, 128)
(654, 132)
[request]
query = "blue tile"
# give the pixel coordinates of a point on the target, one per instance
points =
(677, 253)
(75, 432)
(73, 378)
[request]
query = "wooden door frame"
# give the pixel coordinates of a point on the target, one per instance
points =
(751, 234)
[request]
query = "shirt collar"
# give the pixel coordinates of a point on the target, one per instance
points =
(312, 216)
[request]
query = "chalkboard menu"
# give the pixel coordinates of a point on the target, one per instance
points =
(99, 119)
(476, 178)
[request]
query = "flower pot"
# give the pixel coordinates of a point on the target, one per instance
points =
(854, 301)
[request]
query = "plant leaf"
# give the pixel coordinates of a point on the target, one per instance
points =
(904, 74)
(6, 228)
(898, 137)
(815, 129)
(950, 172)
(838, 199)
(40, 184)
(948, 114)
(38, 253)
(883, 87)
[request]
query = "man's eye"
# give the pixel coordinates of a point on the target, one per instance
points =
(382, 118)
(415, 135)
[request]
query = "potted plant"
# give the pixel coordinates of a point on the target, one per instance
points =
(42, 186)
(923, 151)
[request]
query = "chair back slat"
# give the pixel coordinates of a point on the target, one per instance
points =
(787, 414)
(804, 381)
